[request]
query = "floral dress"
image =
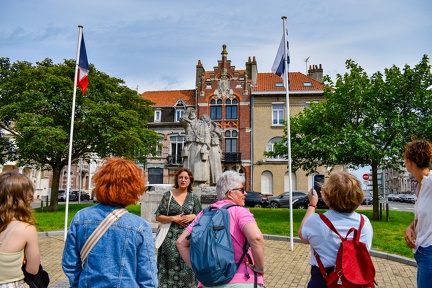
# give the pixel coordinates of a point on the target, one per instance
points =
(172, 270)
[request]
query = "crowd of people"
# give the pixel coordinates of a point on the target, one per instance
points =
(106, 246)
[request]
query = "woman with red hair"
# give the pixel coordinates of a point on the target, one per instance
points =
(124, 256)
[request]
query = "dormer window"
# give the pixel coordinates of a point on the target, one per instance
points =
(157, 115)
(178, 114)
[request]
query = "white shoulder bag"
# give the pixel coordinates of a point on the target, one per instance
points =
(163, 228)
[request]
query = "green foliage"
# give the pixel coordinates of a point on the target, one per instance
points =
(36, 106)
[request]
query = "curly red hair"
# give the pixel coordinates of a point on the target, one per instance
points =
(119, 182)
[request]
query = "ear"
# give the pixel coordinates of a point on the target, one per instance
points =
(229, 196)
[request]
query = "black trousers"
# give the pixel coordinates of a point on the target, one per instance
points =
(317, 279)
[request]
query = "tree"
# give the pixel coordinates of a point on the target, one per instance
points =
(364, 121)
(35, 108)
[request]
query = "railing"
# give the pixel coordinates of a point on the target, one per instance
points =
(231, 157)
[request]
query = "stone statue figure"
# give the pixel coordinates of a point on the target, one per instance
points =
(197, 146)
(216, 135)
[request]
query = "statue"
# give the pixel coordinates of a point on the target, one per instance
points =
(216, 135)
(197, 146)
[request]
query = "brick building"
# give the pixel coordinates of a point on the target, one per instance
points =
(247, 105)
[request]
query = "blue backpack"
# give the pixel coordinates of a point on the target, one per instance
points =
(211, 250)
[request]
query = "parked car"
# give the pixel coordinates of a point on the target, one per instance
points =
(390, 197)
(401, 198)
(62, 196)
(410, 198)
(256, 199)
(282, 200)
(84, 196)
(303, 202)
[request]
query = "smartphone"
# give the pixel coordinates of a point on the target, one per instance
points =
(317, 182)
(313, 188)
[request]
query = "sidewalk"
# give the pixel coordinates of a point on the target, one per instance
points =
(284, 268)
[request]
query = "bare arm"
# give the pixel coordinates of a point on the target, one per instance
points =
(410, 235)
(31, 250)
(183, 246)
(256, 242)
(313, 199)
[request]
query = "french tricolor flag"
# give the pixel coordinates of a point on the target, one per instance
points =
(83, 68)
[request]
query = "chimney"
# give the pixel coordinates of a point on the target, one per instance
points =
(199, 74)
(252, 70)
(316, 72)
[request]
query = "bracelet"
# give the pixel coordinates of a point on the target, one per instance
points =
(258, 269)
(312, 205)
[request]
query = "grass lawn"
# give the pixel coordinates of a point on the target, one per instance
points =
(388, 236)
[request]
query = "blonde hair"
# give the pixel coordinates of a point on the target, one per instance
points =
(343, 192)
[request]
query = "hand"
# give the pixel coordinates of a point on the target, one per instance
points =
(254, 268)
(313, 199)
(410, 237)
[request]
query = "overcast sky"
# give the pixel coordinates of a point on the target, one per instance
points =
(155, 45)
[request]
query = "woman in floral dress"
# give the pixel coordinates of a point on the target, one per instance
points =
(183, 208)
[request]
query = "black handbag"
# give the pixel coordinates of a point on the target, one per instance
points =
(40, 280)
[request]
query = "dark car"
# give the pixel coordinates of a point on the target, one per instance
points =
(256, 199)
(303, 202)
(282, 200)
(62, 196)
(84, 196)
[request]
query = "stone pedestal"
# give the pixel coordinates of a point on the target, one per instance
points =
(150, 200)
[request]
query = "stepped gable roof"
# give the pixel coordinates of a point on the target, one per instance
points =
(170, 97)
(266, 82)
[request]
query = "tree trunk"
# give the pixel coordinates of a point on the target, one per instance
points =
(55, 188)
(375, 191)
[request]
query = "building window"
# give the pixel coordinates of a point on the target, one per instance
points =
(307, 84)
(278, 114)
(178, 114)
(270, 148)
(177, 143)
(157, 115)
(216, 109)
(155, 176)
(279, 84)
(231, 109)
(159, 147)
(230, 141)
(267, 183)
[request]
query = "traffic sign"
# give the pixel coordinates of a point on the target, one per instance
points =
(366, 177)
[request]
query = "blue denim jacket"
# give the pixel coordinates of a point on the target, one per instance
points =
(123, 257)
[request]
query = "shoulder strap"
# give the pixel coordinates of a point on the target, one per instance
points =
(331, 226)
(99, 231)
(169, 202)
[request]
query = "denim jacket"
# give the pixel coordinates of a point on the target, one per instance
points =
(123, 257)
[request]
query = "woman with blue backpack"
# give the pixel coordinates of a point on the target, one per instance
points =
(241, 260)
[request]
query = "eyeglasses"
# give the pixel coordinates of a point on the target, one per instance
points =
(242, 190)
(183, 178)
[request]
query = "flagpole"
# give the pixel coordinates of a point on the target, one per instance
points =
(80, 30)
(286, 80)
